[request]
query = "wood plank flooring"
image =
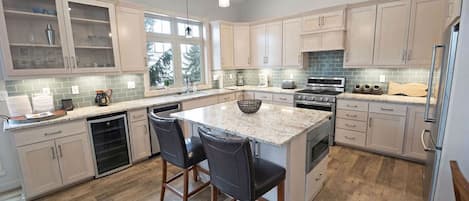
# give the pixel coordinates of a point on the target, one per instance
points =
(352, 176)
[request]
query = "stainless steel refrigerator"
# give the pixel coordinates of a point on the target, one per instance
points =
(438, 98)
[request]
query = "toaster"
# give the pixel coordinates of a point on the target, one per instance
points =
(288, 84)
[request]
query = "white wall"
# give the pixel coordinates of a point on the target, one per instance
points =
(262, 9)
(456, 142)
(199, 8)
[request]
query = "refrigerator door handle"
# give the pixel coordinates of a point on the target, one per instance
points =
(427, 117)
(422, 139)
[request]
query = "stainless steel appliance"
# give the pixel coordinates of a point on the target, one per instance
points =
(288, 84)
(317, 146)
(438, 98)
(110, 139)
(320, 94)
(162, 111)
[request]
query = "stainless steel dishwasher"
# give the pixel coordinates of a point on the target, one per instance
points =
(161, 111)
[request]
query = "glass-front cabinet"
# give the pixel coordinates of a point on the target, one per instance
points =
(47, 37)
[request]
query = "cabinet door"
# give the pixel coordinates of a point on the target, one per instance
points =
(426, 28)
(333, 20)
(24, 43)
(386, 133)
(75, 159)
(333, 40)
(311, 23)
(311, 42)
(92, 36)
(415, 125)
(39, 167)
(131, 39)
(242, 40)
(140, 140)
(226, 45)
(392, 24)
(453, 9)
(360, 36)
(292, 55)
(258, 45)
(274, 43)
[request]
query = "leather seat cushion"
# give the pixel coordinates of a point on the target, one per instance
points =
(195, 151)
(267, 176)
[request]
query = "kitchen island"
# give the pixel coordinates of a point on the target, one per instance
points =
(279, 134)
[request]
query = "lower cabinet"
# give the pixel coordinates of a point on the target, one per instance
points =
(139, 135)
(49, 165)
(413, 147)
(386, 132)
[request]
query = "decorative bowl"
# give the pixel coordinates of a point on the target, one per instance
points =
(249, 106)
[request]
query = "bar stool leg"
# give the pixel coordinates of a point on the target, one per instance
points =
(163, 176)
(195, 174)
(281, 191)
(214, 193)
(185, 196)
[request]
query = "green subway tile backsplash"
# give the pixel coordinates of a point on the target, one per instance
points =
(61, 88)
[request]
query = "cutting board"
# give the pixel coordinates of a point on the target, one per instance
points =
(409, 89)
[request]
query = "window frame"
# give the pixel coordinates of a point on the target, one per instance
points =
(176, 42)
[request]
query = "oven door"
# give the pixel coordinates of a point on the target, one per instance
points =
(313, 105)
(317, 146)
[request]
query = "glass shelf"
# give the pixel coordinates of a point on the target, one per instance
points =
(33, 45)
(28, 14)
(84, 20)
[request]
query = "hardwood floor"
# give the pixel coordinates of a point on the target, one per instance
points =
(352, 176)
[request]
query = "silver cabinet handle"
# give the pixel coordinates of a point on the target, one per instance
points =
(352, 106)
(352, 116)
(319, 21)
(422, 139)
(369, 122)
(350, 138)
(67, 62)
(351, 125)
(409, 54)
(60, 151)
(53, 153)
(283, 99)
(403, 53)
(387, 109)
(74, 63)
(53, 133)
(426, 115)
(138, 116)
(323, 21)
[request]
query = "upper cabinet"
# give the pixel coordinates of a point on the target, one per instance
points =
(453, 9)
(266, 44)
(360, 36)
(58, 37)
(242, 53)
(392, 22)
(323, 32)
(292, 56)
(132, 36)
(222, 45)
(323, 22)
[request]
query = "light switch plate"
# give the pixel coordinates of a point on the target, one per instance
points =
(75, 90)
(382, 78)
(131, 85)
(46, 90)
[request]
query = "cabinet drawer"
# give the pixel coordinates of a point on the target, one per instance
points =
(353, 115)
(248, 95)
(263, 96)
(226, 98)
(201, 102)
(283, 98)
(352, 105)
(239, 96)
(351, 125)
(350, 137)
(392, 109)
(44, 133)
(137, 115)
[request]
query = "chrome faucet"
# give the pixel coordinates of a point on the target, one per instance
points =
(188, 84)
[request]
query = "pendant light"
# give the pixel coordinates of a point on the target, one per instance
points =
(188, 28)
(223, 3)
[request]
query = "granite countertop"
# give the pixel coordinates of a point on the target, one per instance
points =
(272, 124)
(384, 98)
(92, 111)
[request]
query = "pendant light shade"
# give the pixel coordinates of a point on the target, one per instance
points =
(188, 30)
(224, 3)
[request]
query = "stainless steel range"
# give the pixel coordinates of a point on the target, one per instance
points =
(320, 94)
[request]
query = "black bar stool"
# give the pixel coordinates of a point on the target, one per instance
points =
(233, 170)
(185, 154)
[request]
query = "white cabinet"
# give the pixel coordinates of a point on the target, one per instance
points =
(413, 147)
(247, 95)
(425, 30)
(242, 42)
(139, 135)
(226, 98)
(222, 45)
(323, 22)
(131, 32)
(323, 41)
(40, 168)
(392, 24)
(292, 55)
(266, 44)
(359, 45)
(386, 132)
(453, 9)
(75, 159)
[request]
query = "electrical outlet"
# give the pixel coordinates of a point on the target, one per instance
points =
(131, 85)
(291, 76)
(382, 78)
(46, 90)
(75, 90)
